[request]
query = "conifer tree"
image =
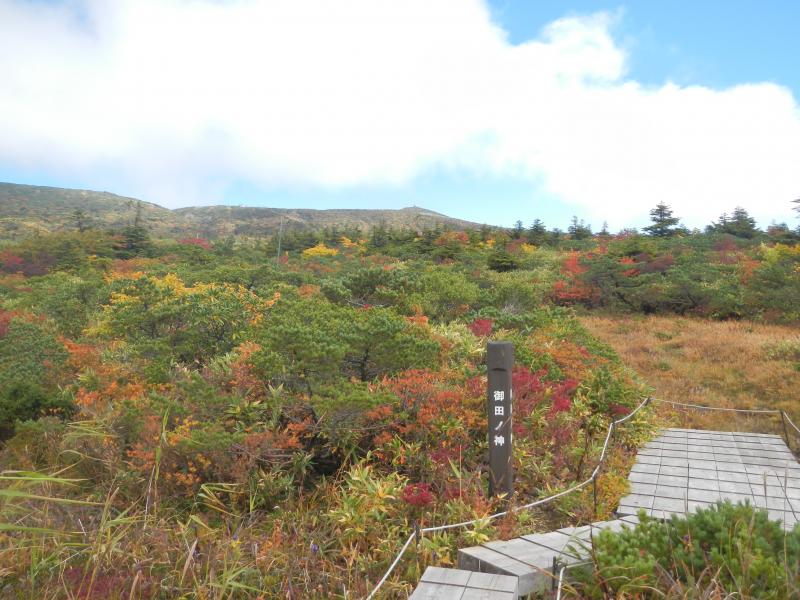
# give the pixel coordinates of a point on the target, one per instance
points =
(664, 223)
(579, 230)
(135, 238)
(537, 233)
(739, 224)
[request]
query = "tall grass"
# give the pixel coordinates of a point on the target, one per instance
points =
(735, 364)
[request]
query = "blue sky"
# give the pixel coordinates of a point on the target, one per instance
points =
(717, 43)
(598, 109)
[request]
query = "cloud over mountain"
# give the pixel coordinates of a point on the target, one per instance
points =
(180, 96)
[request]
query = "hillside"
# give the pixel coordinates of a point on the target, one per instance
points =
(28, 209)
(215, 221)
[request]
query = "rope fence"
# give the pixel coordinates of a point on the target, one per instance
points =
(785, 418)
(560, 581)
(534, 504)
(796, 428)
(720, 408)
(591, 480)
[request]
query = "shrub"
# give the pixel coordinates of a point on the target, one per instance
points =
(23, 401)
(28, 353)
(733, 548)
(784, 350)
(501, 261)
(481, 327)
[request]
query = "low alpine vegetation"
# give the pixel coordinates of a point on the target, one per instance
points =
(726, 551)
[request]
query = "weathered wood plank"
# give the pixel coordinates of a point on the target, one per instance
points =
(437, 591)
(446, 576)
(457, 584)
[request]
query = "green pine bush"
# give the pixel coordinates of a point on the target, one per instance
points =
(728, 549)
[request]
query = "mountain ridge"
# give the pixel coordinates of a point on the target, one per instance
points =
(30, 209)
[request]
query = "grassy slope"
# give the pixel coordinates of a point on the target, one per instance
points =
(26, 210)
(707, 362)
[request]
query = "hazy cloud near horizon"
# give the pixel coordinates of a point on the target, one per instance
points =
(174, 94)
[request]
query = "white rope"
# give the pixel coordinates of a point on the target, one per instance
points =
(737, 410)
(635, 410)
(560, 581)
(791, 422)
(563, 570)
(533, 504)
(392, 566)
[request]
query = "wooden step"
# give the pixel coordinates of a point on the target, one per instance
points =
(530, 557)
(455, 584)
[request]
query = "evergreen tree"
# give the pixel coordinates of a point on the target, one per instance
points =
(81, 219)
(353, 233)
(379, 236)
(426, 241)
(518, 230)
(664, 223)
(537, 233)
(742, 224)
(719, 226)
(500, 260)
(555, 236)
(739, 224)
(135, 242)
(331, 235)
(579, 230)
(135, 238)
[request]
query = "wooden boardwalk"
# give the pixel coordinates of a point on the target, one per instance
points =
(676, 473)
(686, 469)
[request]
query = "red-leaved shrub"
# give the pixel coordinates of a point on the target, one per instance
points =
(481, 327)
(418, 494)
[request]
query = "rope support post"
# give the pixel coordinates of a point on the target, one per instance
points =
(785, 431)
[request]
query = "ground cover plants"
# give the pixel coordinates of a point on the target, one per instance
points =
(195, 418)
(207, 422)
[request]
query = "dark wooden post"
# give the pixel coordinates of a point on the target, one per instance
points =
(499, 364)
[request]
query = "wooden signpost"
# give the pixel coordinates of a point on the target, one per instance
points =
(499, 364)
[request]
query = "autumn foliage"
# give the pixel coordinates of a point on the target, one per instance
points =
(221, 420)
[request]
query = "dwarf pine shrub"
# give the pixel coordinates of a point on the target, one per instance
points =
(729, 548)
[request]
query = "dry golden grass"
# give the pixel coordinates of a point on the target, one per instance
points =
(708, 362)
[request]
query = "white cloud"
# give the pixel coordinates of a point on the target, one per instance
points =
(174, 93)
